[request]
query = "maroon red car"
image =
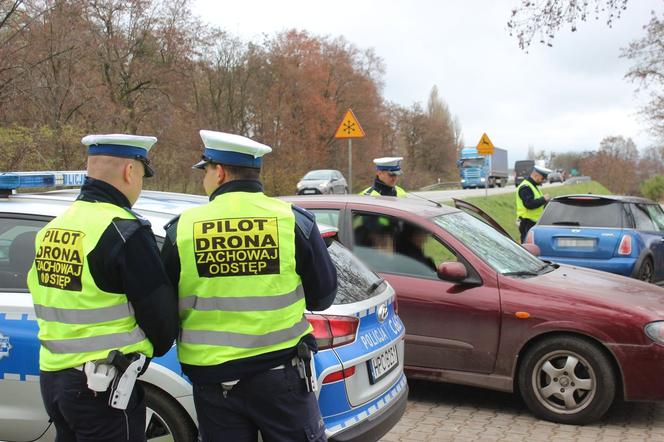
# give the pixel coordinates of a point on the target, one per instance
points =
(480, 310)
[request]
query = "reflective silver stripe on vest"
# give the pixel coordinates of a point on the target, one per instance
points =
(94, 343)
(242, 340)
(242, 304)
(84, 316)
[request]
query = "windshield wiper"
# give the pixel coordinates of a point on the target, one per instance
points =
(546, 268)
(521, 273)
(566, 223)
(374, 285)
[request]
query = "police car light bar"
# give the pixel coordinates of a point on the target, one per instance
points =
(10, 181)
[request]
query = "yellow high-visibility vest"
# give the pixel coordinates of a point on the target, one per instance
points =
(373, 192)
(521, 210)
(239, 293)
(78, 321)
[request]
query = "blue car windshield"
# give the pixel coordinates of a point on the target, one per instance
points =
(583, 213)
(501, 253)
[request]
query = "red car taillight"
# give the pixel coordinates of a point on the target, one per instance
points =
(332, 331)
(625, 247)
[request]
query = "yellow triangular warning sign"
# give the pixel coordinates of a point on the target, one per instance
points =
(485, 146)
(349, 127)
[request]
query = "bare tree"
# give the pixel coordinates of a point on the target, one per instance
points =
(615, 165)
(544, 18)
(648, 71)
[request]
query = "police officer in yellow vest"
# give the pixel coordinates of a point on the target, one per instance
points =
(388, 170)
(246, 267)
(530, 201)
(98, 285)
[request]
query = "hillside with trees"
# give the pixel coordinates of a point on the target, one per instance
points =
(73, 67)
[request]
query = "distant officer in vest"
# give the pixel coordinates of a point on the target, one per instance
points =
(388, 170)
(530, 201)
(246, 267)
(98, 285)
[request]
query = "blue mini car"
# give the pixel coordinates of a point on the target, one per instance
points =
(617, 234)
(362, 390)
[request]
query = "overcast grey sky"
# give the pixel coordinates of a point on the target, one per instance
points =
(564, 98)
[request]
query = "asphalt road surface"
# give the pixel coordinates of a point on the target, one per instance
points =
(440, 195)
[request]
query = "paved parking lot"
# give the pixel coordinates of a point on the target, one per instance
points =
(441, 412)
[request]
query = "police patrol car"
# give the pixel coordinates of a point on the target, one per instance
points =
(362, 390)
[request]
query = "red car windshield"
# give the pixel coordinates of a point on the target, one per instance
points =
(501, 253)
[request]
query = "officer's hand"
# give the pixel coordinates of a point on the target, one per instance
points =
(546, 198)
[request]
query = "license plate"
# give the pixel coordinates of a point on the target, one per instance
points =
(382, 364)
(308, 191)
(588, 243)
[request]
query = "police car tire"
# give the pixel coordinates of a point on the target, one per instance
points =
(593, 363)
(171, 413)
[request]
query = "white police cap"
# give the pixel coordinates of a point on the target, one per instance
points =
(122, 145)
(542, 170)
(389, 164)
(231, 149)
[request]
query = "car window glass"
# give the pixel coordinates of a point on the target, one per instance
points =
(500, 252)
(329, 217)
(391, 245)
(317, 175)
(642, 219)
(582, 213)
(355, 280)
(17, 251)
(657, 215)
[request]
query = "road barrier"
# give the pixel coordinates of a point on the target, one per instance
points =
(441, 186)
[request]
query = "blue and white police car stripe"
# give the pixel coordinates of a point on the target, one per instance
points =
(372, 310)
(385, 400)
(19, 362)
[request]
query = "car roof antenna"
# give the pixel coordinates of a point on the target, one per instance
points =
(426, 199)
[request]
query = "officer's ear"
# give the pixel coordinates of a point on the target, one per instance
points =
(130, 172)
(222, 174)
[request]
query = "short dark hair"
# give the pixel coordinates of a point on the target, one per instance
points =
(242, 173)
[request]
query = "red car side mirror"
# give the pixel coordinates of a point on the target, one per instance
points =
(452, 271)
(533, 249)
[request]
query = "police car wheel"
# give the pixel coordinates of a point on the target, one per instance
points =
(165, 419)
(567, 379)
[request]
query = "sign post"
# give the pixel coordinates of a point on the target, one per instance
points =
(485, 147)
(349, 128)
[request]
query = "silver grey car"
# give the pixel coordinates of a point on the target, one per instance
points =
(323, 181)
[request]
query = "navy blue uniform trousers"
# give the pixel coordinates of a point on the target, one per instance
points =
(82, 415)
(524, 226)
(274, 402)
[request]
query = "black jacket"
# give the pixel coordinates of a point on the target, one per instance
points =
(382, 188)
(312, 263)
(126, 260)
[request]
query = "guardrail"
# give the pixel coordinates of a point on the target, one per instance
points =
(578, 179)
(441, 185)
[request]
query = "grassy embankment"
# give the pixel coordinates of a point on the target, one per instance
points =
(501, 207)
